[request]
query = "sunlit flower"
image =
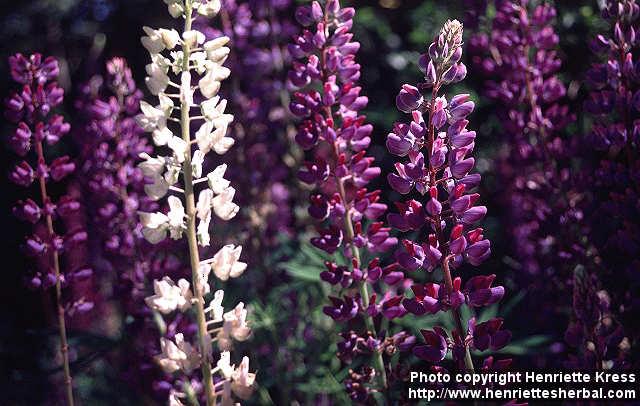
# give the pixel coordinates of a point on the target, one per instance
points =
(226, 263)
(178, 355)
(168, 296)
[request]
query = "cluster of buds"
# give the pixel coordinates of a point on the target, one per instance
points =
(180, 173)
(328, 100)
(31, 109)
(439, 146)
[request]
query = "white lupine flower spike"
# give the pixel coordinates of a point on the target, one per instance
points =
(185, 74)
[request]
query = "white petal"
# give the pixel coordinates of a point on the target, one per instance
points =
(225, 260)
(216, 43)
(196, 163)
(223, 204)
(209, 108)
(203, 207)
(218, 55)
(157, 189)
(150, 116)
(176, 10)
(166, 104)
(202, 232)
(153, 41)
(208, 85)
(216, 179)
(237, 269)
(176, 217)
(186, 93)
(217, 310)
(161, 136)
(173, 170)
(221, 73)
(153, 220)
(204, 137)
(170, 38)
(193, 38)
(203, 273)
(151, 166)
(209, 8)
(179, 147)
(223, 145)
(224, 364)
(154, 236)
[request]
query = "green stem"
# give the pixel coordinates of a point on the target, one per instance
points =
(62, 328)
(194, 254)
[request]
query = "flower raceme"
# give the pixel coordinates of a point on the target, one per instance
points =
(184, 69)
(522, 63)
(37, 128)
(520, 58)
(438, 147)
(328, 100)
(604, 306)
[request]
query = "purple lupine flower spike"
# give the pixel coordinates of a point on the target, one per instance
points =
(328, 101)
(438, 164)
(604, 307)
(521, 64)
(258, 32)
(111, 142)
(36, 129)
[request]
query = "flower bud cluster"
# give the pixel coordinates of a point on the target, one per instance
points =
(111, 142)
(186, 68)
(438, 147)
(30, 108)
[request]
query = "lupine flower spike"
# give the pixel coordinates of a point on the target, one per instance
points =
(37, 128)
(605, 329)
(111, 142)
(522, 64)
(192, 71)
(258, 31)
(438, 146)
(519, 59)
(328, 102)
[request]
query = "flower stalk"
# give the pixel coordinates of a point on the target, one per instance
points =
(55, 260)
(194, 254)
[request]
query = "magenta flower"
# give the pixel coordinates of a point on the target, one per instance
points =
(328, 101)
(521, 62)
(603, 330)
(52, 248)
(438, 147)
